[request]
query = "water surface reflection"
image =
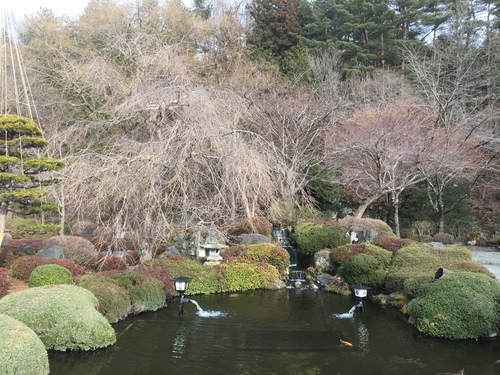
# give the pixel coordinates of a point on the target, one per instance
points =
(277, 332)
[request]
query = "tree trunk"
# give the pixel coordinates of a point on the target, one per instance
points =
(4, 206)
(395, 205)
(362, 208)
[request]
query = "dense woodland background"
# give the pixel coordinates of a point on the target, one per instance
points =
(169, 115)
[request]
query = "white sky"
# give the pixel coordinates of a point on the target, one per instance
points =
(19, 8)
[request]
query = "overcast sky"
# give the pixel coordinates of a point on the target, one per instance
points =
(60, 7)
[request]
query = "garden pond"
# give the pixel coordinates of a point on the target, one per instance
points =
(289, 331)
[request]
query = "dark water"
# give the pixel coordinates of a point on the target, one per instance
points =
(277, 332)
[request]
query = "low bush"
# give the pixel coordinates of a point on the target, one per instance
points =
(241, 276)
(351, 223)
(268, 253)
(366, 269)
(23, 267)
(77, 249)
(4, 281)
(114, 301)
(104, 262)
(50, 274)
(203, 277)
(30, 228)
(146, 293)
(444, 238)
(63, 316)
(421, 262)
(391, 243)
(311, 237)
(21, 351)
(458, 306)
(421, 238)
(160, 274)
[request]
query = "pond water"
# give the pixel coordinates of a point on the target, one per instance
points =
(277, 332)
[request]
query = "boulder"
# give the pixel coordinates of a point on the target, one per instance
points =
(52, 251)
(322, 260)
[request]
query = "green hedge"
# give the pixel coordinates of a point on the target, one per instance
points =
(458, 306)
(63, 316)
(146, 293)
(311, 237)
(234, 277)
(268, 253)
(50, 274)
(21, 351)
(420, 262)
(114, 301)
(367, 269)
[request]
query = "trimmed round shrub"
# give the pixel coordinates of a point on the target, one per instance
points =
(458, 306)
(311, 237)
(105, 262)
(114, 301)
(63, 316)
(23, 267)
(391, 243)
(77, 249)
(268, 253)
(21, 351)
(366, 269)
(146, 293)
(161, 274)
(50, 274)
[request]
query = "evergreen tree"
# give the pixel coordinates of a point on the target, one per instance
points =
(23, 172)
(275, 25)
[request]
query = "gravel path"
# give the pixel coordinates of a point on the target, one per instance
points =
(488, 257)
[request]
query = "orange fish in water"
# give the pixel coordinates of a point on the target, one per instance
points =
(345, 343)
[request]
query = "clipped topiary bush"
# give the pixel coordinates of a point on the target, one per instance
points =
(391, 243)
(21, 351)
(146, 293)
(63, 316)
(160, 274)
(366, 269)
(114, 301)
(241, 276)
(421, 261)
(105, 262)
(311, 237)
(267, 253)
(77, 249)
(50, 274)
(458, 306)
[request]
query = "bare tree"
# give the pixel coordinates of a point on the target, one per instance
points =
(379, 151)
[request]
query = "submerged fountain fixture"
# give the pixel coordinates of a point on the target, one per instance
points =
(181, 284)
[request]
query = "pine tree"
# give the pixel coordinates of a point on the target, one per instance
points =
(23, 173)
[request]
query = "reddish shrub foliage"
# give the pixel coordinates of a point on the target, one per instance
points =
(257, 224)
(340, 254)
(162, 274)
(4, 281)
(391, 243)
(109, 263)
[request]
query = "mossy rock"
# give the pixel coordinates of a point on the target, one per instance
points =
(21, 350)
(50, 274)
(63, 316)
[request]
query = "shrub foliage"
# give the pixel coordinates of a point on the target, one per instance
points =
(23, 267)
(311, 237)
(63, 316)
(21, 351)
(458, 306)
(50, 274)
(77, 249)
